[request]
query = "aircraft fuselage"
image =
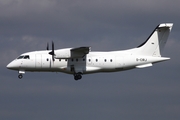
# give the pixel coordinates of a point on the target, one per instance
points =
(93, 62)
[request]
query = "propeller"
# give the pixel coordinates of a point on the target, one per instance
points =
(47, 48)
(52, 52)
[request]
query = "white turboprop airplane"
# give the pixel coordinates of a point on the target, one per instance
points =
(81, 60)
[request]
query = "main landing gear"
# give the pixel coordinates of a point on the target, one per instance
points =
(77, 76)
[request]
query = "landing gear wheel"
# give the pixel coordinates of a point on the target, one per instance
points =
(77, 76)
(20, 76)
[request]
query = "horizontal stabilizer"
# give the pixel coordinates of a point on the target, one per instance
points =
(145, 65)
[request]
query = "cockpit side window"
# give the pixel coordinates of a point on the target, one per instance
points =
(20, 57)
(26, 57)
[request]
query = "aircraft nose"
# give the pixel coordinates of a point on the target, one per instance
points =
(11, 65)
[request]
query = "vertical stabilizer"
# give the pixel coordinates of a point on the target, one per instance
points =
(155, 43)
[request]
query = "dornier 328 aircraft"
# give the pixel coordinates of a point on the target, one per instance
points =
(82, 60)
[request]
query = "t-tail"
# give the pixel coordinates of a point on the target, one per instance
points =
(155, 43)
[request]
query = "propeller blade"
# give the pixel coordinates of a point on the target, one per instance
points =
(53, 47)
(53, 58)
(47, 48)
(52, 52)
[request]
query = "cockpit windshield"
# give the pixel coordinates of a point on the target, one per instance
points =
(20, 57)
(24, 57)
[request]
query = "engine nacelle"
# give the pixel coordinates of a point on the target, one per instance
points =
(67, 53)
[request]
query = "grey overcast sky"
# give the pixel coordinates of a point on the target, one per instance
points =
(140, 94)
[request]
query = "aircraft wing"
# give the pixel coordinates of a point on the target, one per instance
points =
(80, 51)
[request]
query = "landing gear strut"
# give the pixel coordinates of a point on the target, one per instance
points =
(20, 76)
(77, 76)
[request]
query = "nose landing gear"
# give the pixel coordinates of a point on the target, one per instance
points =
(21, 72)
(20, 76)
